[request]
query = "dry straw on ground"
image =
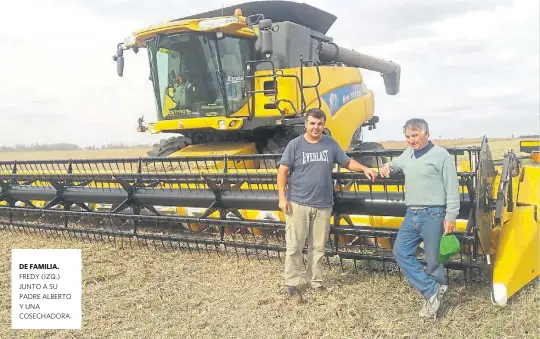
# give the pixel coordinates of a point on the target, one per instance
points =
(139, 293)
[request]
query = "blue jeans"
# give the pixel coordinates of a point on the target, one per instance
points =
(425, 224)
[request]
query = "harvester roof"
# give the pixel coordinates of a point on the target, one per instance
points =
(300, 13)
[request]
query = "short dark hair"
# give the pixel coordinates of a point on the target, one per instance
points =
(317, 113)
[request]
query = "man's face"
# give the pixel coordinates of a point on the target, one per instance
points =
(416, 138)
(314, 127)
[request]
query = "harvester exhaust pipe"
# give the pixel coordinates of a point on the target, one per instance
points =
(389, 70)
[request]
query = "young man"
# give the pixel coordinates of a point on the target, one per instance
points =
(432, 198)
(306, 197)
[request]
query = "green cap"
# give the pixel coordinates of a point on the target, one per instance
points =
(449, 247)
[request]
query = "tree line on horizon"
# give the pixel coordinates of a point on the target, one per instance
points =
(74, 147)
(65, 147)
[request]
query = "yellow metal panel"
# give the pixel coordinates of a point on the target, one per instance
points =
(288, 89)
(238, 29)
(369, 102)
(195, 123)
(217, 149)
(517, 255)
(345, 122)
(333, 77)
(529, 146)
(352, 114)
(220, 149)
(530, 143)
(529, 188)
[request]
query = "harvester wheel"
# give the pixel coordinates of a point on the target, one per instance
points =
(277, 145)
(168, 146)
(369, 160)
(272, 148)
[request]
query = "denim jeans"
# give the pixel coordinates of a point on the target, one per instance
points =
(425, 224)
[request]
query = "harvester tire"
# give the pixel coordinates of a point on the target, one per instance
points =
(368, 160)
(277, 145)
(168, 146)
(272, 148)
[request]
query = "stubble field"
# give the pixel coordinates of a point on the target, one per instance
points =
(142, 293)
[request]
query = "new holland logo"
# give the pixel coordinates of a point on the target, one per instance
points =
(333, 104)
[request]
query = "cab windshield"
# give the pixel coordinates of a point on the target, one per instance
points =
(198, 75)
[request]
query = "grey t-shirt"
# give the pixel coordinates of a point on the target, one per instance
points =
(310, 170)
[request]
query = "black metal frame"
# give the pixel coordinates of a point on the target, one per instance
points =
(223, 185)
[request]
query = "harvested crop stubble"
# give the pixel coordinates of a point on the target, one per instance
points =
(139, 293)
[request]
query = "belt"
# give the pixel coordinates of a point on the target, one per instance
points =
(419, 207)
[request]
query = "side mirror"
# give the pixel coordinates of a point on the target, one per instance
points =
(120, 66)
(265, 31)
(119, 58)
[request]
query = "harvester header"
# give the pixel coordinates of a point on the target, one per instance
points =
(221, 204)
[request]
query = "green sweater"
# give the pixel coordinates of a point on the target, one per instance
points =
(430, 180)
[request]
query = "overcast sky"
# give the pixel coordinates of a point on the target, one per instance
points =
(469, 67)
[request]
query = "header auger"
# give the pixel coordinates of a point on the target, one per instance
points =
(220, 204)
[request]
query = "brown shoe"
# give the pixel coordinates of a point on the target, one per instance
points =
(295, 294)
(320, 289)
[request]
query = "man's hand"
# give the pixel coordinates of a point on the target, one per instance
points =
(355, 166)
(285, 206)
(371, 174)
(385, 171)
(449, 226)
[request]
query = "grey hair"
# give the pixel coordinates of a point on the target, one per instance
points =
(416, 124)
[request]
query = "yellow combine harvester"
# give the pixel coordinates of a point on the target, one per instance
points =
(238, 80)
(234, 84)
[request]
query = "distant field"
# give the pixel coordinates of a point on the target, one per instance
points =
(498, 147)
(83, 154)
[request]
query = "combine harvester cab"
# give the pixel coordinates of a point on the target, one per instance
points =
(219, 204)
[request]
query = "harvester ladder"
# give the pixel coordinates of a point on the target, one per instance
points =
(274, 91)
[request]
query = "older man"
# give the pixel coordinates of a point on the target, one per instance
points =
(432, 199)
